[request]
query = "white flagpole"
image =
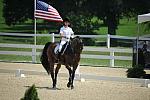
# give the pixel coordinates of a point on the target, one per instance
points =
(137, 47)
(34, 59)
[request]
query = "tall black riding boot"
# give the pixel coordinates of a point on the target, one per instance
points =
(58, 55)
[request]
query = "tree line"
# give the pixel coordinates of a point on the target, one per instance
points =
(80, 12)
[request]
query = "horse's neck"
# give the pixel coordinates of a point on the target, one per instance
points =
(74, 47)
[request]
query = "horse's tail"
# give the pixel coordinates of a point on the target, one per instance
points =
(44, 58)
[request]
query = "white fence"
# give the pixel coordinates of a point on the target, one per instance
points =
(111, 57)
(33, 53)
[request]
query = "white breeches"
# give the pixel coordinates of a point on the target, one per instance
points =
(61, 44)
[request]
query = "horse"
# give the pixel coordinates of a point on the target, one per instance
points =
(70, 58)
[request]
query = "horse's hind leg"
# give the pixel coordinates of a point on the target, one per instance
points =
(70, 74)
(56, 73)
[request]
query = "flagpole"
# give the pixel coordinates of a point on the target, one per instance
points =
(34, 59)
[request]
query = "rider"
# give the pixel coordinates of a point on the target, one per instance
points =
(66, 33)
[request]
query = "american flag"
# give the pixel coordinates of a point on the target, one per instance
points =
(45, 11)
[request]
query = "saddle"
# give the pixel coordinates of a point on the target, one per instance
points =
(66, 49)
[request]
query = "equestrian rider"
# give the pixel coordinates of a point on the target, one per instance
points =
(66, 33)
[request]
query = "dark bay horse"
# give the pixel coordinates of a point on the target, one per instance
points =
(70, 59)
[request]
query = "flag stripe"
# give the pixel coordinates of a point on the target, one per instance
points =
(50, 19)
(50, 16)
(50, 8)
(45, 11)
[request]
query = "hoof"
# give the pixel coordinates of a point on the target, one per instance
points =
(72, 87)
(54, 88)
(54, 85)
(68, 85)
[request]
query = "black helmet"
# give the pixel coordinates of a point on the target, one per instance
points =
(66, 20)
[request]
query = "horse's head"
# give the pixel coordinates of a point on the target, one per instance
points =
(77, 44)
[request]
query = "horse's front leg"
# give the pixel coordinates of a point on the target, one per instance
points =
(52, 74)
(70, 76)
(56, 73)
(73, 75)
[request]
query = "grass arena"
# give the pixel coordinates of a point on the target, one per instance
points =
(13, 88)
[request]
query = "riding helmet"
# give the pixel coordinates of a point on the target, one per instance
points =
(66, 20)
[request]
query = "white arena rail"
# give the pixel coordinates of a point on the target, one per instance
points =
(111, 57)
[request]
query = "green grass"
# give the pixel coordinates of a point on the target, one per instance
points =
(15, 49)
(16, 40)
(125, 28)
(101, 62)
(15, 58)
(123, 63)
(106, 53)
(24, 40)
(95, 52)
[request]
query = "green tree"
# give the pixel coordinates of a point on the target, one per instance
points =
(80, 19)
(17, 11)
(135, 7)
(110, 11)
(107, 10)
